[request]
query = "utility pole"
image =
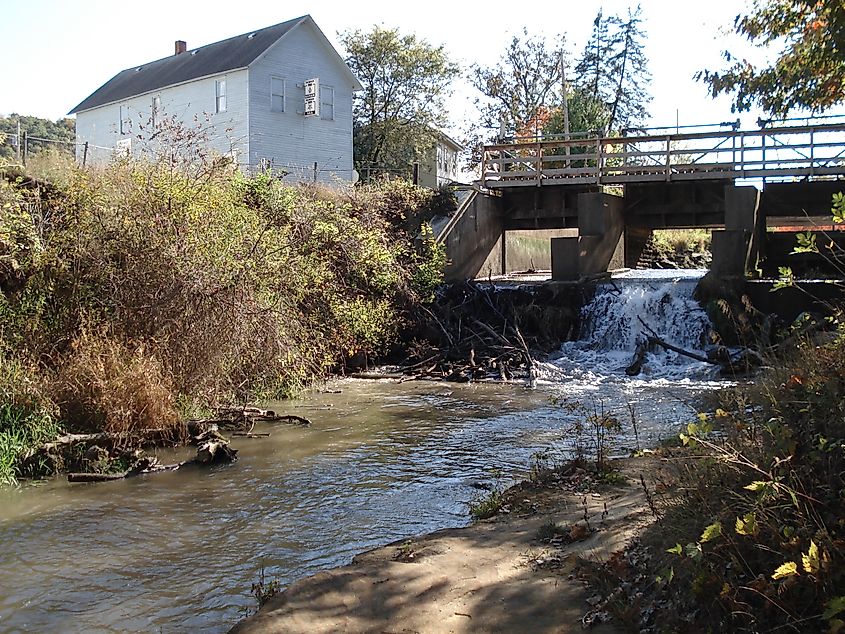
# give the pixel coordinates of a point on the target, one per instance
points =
(565, 100)
(18, 142)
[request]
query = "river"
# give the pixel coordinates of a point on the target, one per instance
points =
(382, 461)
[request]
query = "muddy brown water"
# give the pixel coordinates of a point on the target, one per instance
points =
(177, 551)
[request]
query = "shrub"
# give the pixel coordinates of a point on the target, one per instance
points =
(755, 538)
(153, 286)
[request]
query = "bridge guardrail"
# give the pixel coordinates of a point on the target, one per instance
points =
(770, 153)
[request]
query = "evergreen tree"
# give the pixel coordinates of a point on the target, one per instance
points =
(629, 69)
(613, 70)
(592, 70)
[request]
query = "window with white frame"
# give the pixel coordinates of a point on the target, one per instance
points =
(125, 121)
(220, 95)
(277, 94)
(155, 111)
(327, 103)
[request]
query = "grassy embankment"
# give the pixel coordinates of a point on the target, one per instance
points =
(135, 295)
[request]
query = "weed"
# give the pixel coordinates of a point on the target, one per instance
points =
(549, 530)
(488, 505)
(27, 417)
(264, 590)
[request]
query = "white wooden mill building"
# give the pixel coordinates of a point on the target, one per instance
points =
(278, 97)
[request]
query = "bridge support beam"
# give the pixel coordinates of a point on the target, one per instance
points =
(600, 244)
(736, 248)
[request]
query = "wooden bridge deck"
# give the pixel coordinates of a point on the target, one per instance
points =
(811, 152)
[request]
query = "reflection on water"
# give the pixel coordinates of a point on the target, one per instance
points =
(179, 550)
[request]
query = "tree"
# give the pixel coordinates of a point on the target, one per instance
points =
(62, 130)
(405, 83)
(613, 70)
(586, 114)
(592, 71)
(525, 82)
(808, 73)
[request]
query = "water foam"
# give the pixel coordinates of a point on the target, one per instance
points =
(618, 319)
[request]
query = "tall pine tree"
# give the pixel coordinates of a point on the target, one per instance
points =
(613, 69)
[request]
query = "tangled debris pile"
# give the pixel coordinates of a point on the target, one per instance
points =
(478, 330)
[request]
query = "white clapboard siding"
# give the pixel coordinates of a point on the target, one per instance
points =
(288, 140)
(192, 103)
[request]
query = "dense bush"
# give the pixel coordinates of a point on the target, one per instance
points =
(751, 537)
(153, 282)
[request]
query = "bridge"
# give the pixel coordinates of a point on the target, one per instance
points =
(612, 192)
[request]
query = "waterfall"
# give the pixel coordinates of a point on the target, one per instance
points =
(614, 323)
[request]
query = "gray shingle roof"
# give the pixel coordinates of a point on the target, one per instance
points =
(236, 52)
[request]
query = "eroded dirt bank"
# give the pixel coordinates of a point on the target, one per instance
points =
(498, 575)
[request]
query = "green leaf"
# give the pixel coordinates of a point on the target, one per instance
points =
(806, 243)
(757, 485)
(834, 607)
(747, 524)
(711, 532)
(787, 278)
(811, 560)
(677, 549)
(693, 551)
(788, 569)
(838, 207)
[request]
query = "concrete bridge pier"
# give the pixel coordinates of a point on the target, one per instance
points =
(736, 248)
(600, 243)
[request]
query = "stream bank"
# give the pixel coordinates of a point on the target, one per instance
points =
(504, 574)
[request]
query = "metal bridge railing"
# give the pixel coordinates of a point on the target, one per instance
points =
(770, 153)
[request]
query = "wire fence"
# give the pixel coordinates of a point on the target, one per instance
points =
(24, 148)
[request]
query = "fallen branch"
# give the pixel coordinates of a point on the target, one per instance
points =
(658, 340)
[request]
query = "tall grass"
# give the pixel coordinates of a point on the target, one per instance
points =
(27, 417)
(679, 241)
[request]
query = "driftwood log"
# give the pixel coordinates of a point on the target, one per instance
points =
(743, 362)
(212, 448)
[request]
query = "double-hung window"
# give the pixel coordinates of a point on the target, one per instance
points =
(327, 103)
(277, 94)
(220, 95)
(125, 121)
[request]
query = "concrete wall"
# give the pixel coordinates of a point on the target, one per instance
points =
(289, 140)
(227, 131)
(473, 237)
(600, 244)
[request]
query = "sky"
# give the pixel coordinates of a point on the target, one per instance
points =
(56, 52)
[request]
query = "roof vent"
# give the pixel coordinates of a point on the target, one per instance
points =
(250, 36)
(138, 70)
(194, 52)
(180, 47)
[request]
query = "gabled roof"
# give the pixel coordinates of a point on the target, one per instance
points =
(231, 54)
